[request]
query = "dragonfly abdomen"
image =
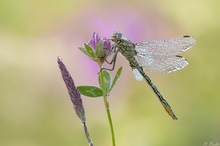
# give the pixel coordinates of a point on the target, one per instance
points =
(165, 104)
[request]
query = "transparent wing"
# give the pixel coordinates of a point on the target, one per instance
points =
(165, 47)
(137, 75)
(162, 64)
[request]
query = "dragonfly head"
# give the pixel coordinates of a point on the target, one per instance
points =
(116, 36)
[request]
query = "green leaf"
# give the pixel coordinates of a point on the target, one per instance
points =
(90, 91)
(99, 48)
(83, 50)
(117, 75)
(89, 51)
(107, 80)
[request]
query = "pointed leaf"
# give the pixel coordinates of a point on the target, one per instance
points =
(107, 80)
(117, 75)
(90, 91)
(99, 49)
(89, 51)
(83, 50)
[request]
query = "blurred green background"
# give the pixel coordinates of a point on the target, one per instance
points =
(34, 104)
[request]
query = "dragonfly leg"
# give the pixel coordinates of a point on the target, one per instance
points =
(113, 61)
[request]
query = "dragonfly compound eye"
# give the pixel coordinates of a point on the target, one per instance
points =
(118, 35)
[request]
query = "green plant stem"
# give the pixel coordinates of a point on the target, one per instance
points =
(87, 133)
(107, 108)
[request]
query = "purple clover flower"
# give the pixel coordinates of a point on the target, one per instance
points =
(106, 45)
(106, 48)
(96, 39)
(73, 92)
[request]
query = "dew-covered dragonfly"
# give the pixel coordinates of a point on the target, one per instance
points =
(156, 56)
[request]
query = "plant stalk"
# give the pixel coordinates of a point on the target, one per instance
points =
(107, 107)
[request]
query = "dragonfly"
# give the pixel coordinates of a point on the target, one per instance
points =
(155, 56)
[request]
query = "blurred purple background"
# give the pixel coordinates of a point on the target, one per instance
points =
(35, 106)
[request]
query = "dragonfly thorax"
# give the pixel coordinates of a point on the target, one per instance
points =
(126, 48)
(121, 41)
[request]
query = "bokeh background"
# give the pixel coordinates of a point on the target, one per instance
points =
(35, 109)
